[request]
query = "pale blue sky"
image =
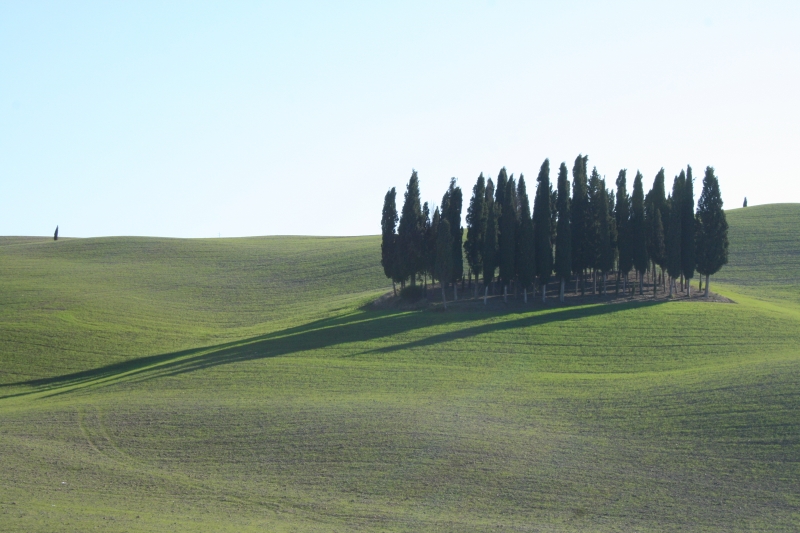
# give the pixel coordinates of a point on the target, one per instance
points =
(198, 119)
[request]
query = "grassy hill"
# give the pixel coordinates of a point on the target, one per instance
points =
(237, 385)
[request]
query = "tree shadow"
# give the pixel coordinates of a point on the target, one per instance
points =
(358, 326)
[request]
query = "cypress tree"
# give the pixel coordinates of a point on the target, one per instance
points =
(490, 240)
(674, 232)
(605, 253)
(426, 230)
(410, 233)
(526, 264)
(476, 228)
(430, 244)
(451, 211)
(655, 209)
(637, 230)
(563, 263)
(687, 229)
(712, 228)
(657, 246)
(622, 214)
(579, 218)
(444, 255)
(508, 241)
(597, 211)
(541, 228)
(389, 236)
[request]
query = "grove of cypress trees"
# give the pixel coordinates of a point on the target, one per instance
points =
(622, 214)
(579, 216)
(490, 240)
(476, 228)
(605, 253)
(389, 237)
(541, 228)
(712, 228)
(444, 255)
(637, 230)
(410, 233)
(526, 264)
(508, 240)
(563, 263)
(674, 232)
(687, 230)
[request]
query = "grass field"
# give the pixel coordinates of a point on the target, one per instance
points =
(243, 385)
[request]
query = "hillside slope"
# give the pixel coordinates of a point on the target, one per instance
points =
(306, 412)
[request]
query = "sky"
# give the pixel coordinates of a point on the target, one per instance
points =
(207, 119)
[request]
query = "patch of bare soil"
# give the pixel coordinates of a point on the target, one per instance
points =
(469, 299)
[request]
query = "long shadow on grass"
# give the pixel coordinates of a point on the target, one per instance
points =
(354, 327)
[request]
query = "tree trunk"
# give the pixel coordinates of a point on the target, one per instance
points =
(594, 282)
(625, 284)
(444, 300)
(455, 291)
(706, 285)
(605, 275)
(700, 286)
(577, 282)
(561, 292)
(688, 288)
(525, 296)
(641, 283)
(670, 288)
(616, 287)
(485, 294)
(394, 288)
(505, 293)
(544, 292)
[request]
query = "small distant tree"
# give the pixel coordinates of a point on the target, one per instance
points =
(55, 235)
(444, 256)
(563, 263)
(743, 205)
(637, 229)
(526, 264)
(712, 229)
(541, 228)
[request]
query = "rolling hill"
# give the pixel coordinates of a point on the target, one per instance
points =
(242, 384)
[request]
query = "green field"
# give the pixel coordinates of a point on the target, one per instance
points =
(244, 385)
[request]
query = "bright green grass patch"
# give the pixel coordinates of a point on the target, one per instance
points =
(271, 404)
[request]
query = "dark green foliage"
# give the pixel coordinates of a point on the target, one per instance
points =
(744, 204)
(444, 253)
(712, 228)
(451, 211)
(637, 227)
(580, 215)
(605, 253)
(476, 226)
(430, 243)
(490, 238)
(655, 207)
(541, 224)
(622, 215)
(526, 257)
(389, 235)
(508, 226)
(687, 226)
(412, 293)
(674, 232)
(597, 212)
(563, 263)
(410, 233)
(613, 235)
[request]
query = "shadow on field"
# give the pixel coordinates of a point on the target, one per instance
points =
(355, 327)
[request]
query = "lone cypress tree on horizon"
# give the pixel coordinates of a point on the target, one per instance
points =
(637, 230)
(476, 229)
(622, 213)
(579, 220)
(389, 237)
(712, 229)
(541, 228)
(526, 265)
(563, 262)
(490, 240)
